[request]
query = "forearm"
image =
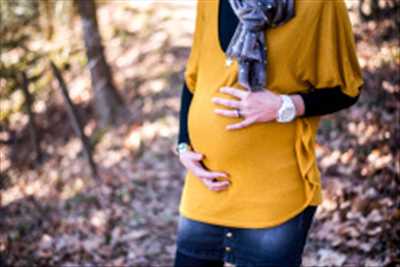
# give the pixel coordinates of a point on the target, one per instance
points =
(322, 102)
(186, 99)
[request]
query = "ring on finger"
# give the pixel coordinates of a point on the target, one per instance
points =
(238, 113)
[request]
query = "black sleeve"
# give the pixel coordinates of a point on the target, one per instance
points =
(326, 101)
(186, 99)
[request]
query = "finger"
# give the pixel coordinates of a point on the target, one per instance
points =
(219, 185)
(241, 124)
(203, 173)
(226, 102)
(218, 188)
(226, 112)
(234, 91)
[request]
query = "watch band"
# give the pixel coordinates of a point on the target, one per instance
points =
(181, 147)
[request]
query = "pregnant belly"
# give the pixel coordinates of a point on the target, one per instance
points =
(268, 145)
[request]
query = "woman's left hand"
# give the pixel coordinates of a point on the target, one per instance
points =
(260, 106)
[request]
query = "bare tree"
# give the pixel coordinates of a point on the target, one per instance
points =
(107, 100)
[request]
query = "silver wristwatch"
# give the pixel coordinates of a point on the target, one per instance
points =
(287, 111)
(182, 147)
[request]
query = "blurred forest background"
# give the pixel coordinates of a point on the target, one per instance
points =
(89, 104)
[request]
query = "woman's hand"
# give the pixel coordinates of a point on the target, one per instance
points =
(191, 160)
(261, 106)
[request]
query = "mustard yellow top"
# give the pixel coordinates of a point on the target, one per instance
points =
(272, 166)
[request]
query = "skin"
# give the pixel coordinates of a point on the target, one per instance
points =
(255, 107)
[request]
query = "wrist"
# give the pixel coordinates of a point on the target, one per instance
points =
(298, 103)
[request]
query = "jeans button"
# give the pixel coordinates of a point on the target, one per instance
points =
(229, 234)
(227, 248)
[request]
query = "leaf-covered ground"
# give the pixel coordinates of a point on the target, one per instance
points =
(53, 215)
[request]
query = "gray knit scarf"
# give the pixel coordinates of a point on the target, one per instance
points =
(248, 42)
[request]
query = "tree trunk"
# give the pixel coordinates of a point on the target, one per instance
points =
(107, 100)
(32, 125)
(76, 123)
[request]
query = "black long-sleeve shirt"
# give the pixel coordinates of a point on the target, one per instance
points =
(317, 102)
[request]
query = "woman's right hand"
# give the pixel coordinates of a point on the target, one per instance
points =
(191, 160)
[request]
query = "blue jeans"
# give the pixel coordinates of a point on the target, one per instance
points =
(202, 244)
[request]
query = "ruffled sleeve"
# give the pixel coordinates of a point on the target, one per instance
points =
(333, 51)
(331, 61)
(192, 64)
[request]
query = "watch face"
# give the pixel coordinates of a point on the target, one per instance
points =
(287, 114)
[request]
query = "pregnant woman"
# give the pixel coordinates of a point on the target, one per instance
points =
(259, 76)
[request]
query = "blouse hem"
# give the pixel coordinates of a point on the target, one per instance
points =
(229, 223)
